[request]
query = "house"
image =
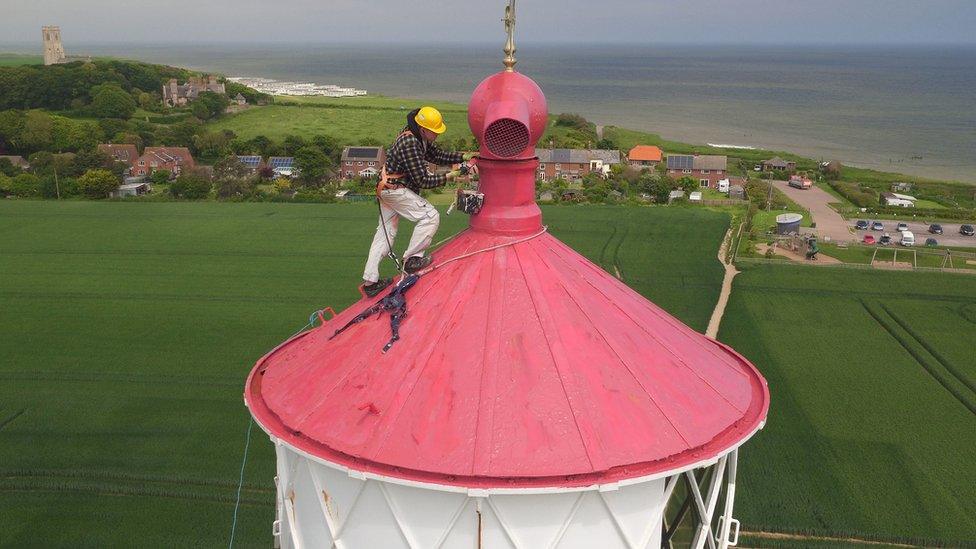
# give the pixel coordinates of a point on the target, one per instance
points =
(240, 100)
(898, 200)
(253, 163)
(17, 161)
(283, 166)
(645, 156)
(574, 164)
(177, 95)
(131, 189)
(125, 153)
(777, 164)
(707, 169)
(363, 162)
(175, 160)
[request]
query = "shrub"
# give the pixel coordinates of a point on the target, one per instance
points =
(97, 183)
(190, 187)
(160, 177)
(25, 185)
(110, 101)
(234, 187)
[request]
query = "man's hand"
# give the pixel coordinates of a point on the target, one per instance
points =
(452, 175)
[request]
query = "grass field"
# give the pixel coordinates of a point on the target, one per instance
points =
(128, 329)
(872, 427)
(17, 59)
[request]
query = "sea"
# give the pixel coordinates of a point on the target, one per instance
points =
(905, 109)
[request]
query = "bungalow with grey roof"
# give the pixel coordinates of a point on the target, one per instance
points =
(574, 164)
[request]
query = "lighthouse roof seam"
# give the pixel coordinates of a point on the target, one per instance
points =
(384, 429)
(584, 430)
(477, 448)
(629, 368)
(673, 323)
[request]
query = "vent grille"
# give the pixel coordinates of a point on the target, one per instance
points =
(506, 137)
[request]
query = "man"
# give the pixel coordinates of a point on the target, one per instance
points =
(405, 174)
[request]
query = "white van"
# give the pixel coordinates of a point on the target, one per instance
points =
(907, 238)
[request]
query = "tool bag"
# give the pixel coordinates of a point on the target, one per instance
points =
(470, 202)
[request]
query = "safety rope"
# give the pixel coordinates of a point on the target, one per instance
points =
(240, 483)
(439, 264)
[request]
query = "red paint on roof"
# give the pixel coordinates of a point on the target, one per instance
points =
(522, 366)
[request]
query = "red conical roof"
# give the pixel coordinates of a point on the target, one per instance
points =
(520, 365)
(524, 366)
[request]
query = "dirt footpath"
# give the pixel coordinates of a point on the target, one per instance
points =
(829, 223)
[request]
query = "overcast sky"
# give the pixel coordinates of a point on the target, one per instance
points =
(669, 21)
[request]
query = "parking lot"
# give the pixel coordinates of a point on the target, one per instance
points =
(831, 224)
(951, 236)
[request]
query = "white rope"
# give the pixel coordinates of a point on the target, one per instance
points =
(545, 228)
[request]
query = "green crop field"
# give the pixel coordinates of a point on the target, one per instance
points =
(128, 329)
(348, 121)
(872, 427)
(17, 59)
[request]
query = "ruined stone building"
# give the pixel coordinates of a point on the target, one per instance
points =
(176, 95)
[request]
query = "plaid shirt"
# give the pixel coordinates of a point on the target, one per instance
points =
(409, 156)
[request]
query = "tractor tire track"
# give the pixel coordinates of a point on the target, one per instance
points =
(934, 371)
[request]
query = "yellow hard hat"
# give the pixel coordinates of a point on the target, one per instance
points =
(431, 118)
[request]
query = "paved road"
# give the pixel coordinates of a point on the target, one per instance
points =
(831, 224)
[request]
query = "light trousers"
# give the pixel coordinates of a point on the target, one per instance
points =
(394, 204)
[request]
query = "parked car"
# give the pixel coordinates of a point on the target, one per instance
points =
(861, 225)
(902, 227)
(885, 240)
(877, 226)
(907, 239)
(935, 228)
(798, 182)
(869, 239)
(931, 242)
(967, 230)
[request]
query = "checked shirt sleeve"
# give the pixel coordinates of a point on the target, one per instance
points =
(415, 165)
(442, 158)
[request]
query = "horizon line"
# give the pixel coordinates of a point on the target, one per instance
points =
(480, 43)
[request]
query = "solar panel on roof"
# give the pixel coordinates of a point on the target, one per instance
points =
(250, 161)
(363, 152)
(680, 162)
(282, 161)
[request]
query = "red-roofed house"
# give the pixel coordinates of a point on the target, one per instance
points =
(172, 159)
(125, 153)
(644, 156)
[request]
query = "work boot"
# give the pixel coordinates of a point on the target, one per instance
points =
(417, 263)
(373, 289)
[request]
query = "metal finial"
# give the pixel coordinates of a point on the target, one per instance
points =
(510, 29)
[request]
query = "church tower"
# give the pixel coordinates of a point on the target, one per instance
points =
(53, 49)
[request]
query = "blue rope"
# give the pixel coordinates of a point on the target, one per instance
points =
(240, 484)
(247, 445)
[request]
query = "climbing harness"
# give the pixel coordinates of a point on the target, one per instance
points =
(395, 303)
